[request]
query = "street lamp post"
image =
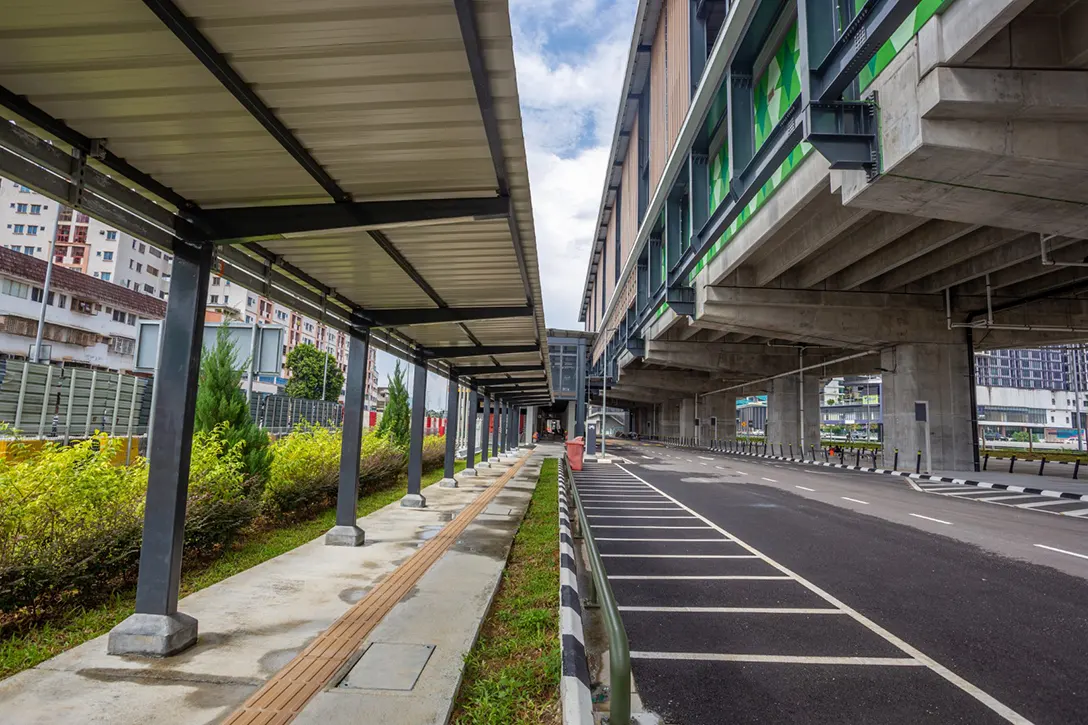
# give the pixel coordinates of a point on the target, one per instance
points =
(35, 355)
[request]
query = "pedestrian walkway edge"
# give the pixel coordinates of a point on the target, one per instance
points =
(575, 695)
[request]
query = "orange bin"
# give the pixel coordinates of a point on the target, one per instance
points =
(576, 448)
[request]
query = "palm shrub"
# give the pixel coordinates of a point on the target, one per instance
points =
(305, 471)
(220, 400)
(396, 418)
(381, 461)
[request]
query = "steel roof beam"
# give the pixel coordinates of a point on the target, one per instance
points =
(254, 222)
(412, 316)
(497, 369)
(456, 351)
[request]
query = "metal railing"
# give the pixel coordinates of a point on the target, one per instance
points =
(600, 594)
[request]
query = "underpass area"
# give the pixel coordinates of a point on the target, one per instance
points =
(760, 592)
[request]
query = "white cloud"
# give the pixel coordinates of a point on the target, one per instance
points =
(571, 56)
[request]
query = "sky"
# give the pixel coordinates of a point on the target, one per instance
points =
(570, 57)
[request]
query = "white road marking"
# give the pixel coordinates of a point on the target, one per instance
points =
(645, 516)
(1010, 498)
(675, 541)
(706, 458)
(805, 488)
(631, 508)
(720, 468)
(930, 518)
(786, 659)
(1054, 502)
(638, 526)
(986, 699)
(1062, 551)
(648, 458)
(819, 473)
(703, 464)
(768, 479)
(734, 610)
(689, 460)
(855, 500)
(681, 556)
(700, 577)
(1078, 512)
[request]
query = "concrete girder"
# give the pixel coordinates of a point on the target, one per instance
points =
(927, 238)
(967, 247)
(1003, 94)
(1060, 278)
(1021, 249)
(1027, 270)
(825, 222)
(691, 382)
(861, 241)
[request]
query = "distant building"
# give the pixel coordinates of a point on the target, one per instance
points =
(88, 321)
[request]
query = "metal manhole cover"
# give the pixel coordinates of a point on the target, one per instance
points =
(388, 666)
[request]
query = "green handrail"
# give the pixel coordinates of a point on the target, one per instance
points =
(619, 653)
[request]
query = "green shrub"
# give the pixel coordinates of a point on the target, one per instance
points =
(70, 522)
(381, 461)
(305, 471)
(434, 452)
(218, 506)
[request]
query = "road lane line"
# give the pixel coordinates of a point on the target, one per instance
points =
(805, 488)
(632, 508)
(930, 518)
(644, 516)
(983, 697)
(700, 577)
(781, 659)
(638, 526)
(855, 500)
(706, 458)
(675, 541)
(1062, 551)
(681, 556)
(734, 610)
(768, 479)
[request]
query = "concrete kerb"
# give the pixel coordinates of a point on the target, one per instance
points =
(576, 697)
(914, 476)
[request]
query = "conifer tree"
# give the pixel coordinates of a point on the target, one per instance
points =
(396, 419)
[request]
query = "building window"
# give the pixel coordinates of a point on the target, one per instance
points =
(77, 253)
(139, 266)
(132, 319)
(134, 244)
(111, 236)
(149, 289)
(154, 251)
(62, 233)
(60, 252)
(143, 248)
(216, 281)
(28, 250)
(214, 299)
(32, 230)
(20, 208)
(154, 272)
(226, 299)
(132, 264)
(107, 256)
(35, 208)
(19, 229)
(96, 274)
(81, 235)
(22, 189)
(118, 316)
(15, 289)
(250, 301)
(85, 307)
(106, 276)
(82, 218)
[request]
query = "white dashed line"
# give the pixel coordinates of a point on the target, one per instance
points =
(930, 518)
(768, 479)
(1062, 551)
(786, 659)
(805, 488)
(706, 458)
(700, 577)
(855, 500)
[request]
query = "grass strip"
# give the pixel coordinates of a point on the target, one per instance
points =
(26, 649)
(512, 673)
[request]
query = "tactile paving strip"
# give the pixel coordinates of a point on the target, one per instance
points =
(288, 691)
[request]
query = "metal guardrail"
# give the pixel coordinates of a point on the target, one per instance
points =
(600, 594)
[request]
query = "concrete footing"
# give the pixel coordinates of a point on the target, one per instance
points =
(345, 536)
(448, 483)
(493, 459)
(483, 464)
(467, 473)
(413, 501)
(153, 635)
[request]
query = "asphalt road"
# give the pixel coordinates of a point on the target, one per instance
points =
(762, 592)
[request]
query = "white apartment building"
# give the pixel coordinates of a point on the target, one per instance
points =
(28, 220)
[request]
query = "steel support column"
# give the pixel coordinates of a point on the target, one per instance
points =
(470, 432)
(495, 427)
(580, 403)
(346, 532)
(414, 497)
(485, 433)
(158, 628)
(452, 401)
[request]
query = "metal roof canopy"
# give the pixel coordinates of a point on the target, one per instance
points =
(358, 160)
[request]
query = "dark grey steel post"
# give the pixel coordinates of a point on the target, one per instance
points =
(158, 628)
(580, 405)
(515, 425)
(414, 497)
(448, 481)
(346, 532)
(495, 432)
(504, 430)
(470, 433)
(485, 433)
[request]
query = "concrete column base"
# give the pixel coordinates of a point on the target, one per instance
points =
(467, 473)
(413, 501)
(448, 483)
(483, 464)
(344, 536)
(493, 459)
(152, 635)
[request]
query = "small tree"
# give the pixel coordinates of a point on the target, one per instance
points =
(396, 420)
(220, 400)
(307, 367)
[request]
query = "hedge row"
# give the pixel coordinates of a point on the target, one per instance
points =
(71, 521)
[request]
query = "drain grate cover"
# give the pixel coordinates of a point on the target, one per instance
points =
(388, 666)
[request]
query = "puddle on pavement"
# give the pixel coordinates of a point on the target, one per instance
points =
(429, 532)
(353, 594)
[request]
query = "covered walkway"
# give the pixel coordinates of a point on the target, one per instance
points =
(361, 162)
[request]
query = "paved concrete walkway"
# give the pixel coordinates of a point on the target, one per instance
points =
(1027, 475)
(256, 622)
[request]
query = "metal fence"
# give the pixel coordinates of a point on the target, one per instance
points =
(57, 402)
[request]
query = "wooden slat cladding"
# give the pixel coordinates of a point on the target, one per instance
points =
(608, 271)
(679, 66)
(629, 204)
(659, 100)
